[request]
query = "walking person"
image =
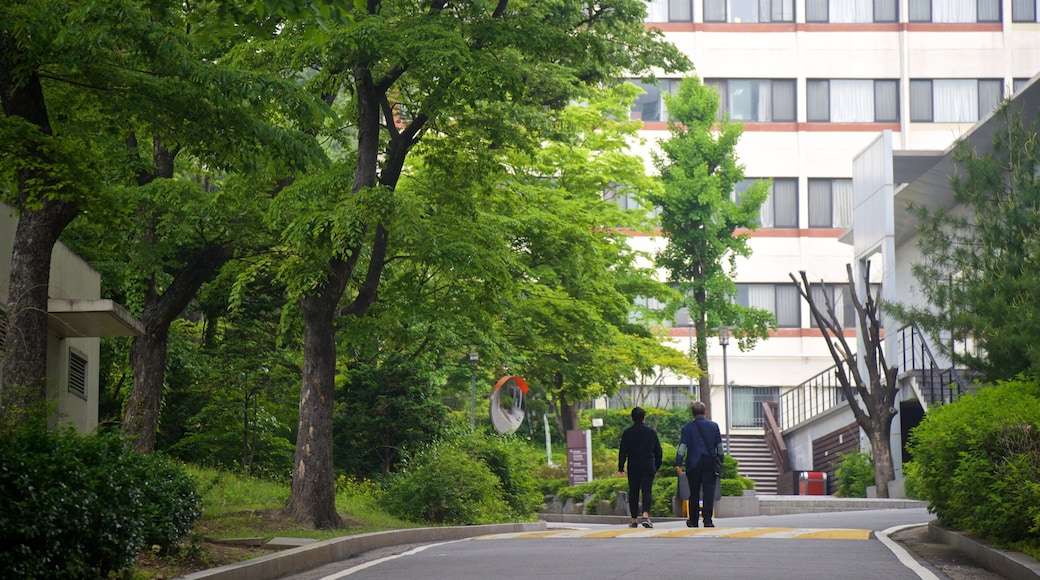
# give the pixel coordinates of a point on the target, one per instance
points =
(701, 445)
(641, 447)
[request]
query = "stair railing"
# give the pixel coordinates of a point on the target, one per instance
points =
(774, 439)
(938, 385)
(812, 397)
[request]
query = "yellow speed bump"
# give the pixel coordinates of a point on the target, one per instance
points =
(837, 535)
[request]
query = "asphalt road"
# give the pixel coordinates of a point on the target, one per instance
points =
(854, 545)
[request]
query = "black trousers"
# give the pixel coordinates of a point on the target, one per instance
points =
(640, 483)
(702, 483)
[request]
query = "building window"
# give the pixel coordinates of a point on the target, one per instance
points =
(846, 11)
(657, 396)
(650, 106)
(77, 374)
(746, 405)
(1023, 10)
(830, 203)
(954, 11)
(780, 209)
(748, 11)
(852, 101)
(838, 295)
(1019, 84)
(670, 11)
(756, 100)
(953, 100)
(782, 300)
(627, 201)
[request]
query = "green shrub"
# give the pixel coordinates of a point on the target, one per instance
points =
(508, 461)
(445, 485)
(854, 474)
(977, 461)
(82, 507)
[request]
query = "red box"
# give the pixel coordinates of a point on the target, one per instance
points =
(812, 483)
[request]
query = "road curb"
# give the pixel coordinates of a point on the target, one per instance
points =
(296, 560)
(1009, 564)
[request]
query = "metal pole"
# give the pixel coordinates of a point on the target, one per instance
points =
(473, 390)
(725, 391)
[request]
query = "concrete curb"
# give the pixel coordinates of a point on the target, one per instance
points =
(304, 558)
(1009, 564)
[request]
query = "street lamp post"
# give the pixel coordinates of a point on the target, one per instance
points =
(724, 341)
(473, 357)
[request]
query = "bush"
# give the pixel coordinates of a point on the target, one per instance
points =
(446, 485)
(977, 462)
(854, 474)
(82, 507)
(508, 460)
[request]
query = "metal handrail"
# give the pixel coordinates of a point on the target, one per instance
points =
(814, 396)
(938, 385)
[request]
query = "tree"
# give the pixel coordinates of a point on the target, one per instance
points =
(706, 229)
(82, 85)
(871, 397)
(978, 269)
(400, 70)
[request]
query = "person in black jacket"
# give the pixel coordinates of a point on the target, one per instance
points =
(642, 448)
(701, 445)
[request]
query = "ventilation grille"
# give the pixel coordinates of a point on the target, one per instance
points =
(77, 374)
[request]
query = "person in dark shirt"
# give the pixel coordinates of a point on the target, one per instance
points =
(641, 447)
(701, 446)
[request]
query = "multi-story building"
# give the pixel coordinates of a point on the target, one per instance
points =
(814, 82)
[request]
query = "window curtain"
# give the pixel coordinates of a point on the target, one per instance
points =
(785, 203)
(818, 101)
(955, 100)
(842, 189)
(742, 405)
(820, 203)
(714, 10)
(763, 91)
(921, 101)
(767, 214)
(886, 101)
(920, 11)
(657, 11)
(819, 295)
(788, 306)
(852, 11)
(782, 11)
(816, 11)
(953, 11)
(783, 97)
(680, 11)
(852, 101)
(990, 94)
(989, 10)
(1023, 10)
(885, 11)
(762, 296)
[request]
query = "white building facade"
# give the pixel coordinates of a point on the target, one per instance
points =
(815, 82)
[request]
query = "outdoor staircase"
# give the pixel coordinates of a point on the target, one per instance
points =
(754, 461)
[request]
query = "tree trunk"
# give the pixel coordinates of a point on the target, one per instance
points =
(148, 361)
(24, 390)
(881, 450)
(701, 326)
(24, 364)
(312, 499)
(148, 352)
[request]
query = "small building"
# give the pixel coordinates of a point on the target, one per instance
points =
(77, 319)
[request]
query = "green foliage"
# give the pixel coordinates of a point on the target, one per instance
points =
(398, 392)
(854, 474)
(978, 267)
(467, 479)
(81, 507)
(444, 485)
(699, 170)
(977, 461)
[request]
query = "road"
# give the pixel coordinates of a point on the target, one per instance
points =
(806, 546)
